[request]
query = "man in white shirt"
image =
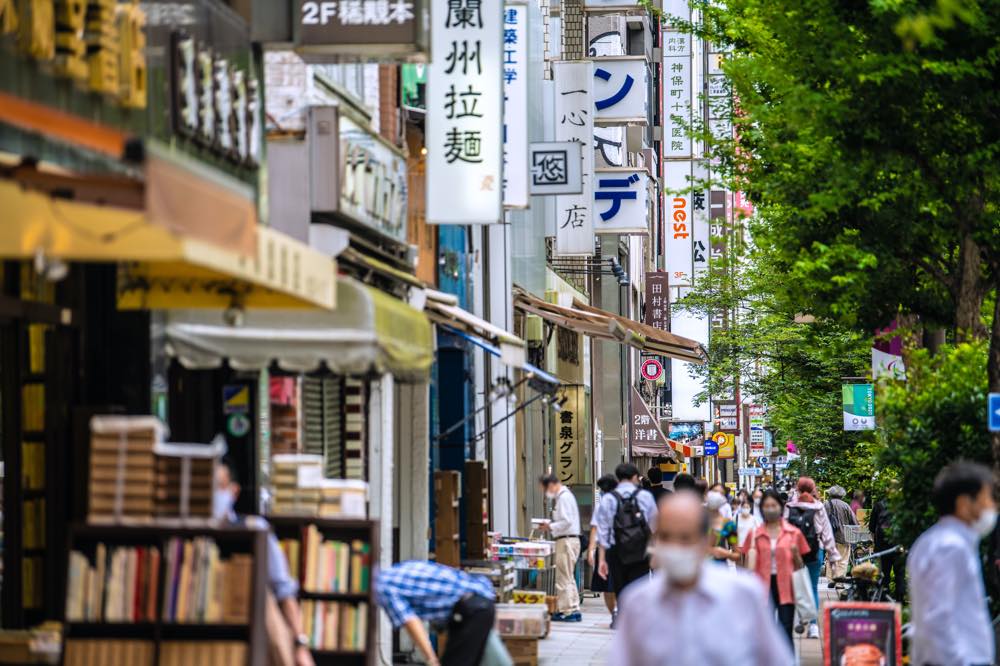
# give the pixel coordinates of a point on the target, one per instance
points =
(565, 529)
(693, 612)
(951, 622)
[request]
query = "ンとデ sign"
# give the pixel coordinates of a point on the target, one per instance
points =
(465, 114)
(574, 118)
(620, 87)
(621, 201)
(859, 406)
(332, 30)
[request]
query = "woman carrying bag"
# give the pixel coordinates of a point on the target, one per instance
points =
(774, 552)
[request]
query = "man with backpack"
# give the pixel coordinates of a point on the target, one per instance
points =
(808, 514)
(626, 520)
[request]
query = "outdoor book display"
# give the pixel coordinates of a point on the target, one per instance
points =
(166, 593)
(300, 489)
(533, 562)
(332, 561)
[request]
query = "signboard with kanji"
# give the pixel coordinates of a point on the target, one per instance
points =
(657, 312)
(572, 426)
(360, 29)
(645, 436)
(574, 118)
(757, 437)
(515, 107)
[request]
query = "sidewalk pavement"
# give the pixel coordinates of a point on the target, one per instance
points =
(588, 643)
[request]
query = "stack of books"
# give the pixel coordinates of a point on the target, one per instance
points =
(343, 498)
(331, 625)
(296, 479)
(170, 483)
(201, 587)
(122, 464)
(334, 566)
(101, 652)
(121, 586)
(191, 653)
(355, 408)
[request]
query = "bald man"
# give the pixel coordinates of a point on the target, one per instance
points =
(688, 596)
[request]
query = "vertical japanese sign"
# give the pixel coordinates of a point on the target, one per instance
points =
(756, 427)
(621, 201)
(515, 107)
(657, 301)
(677, 93)
(572, 422)
(620, 90)
(574, 116)
(859, 406)
(465, 114)
(645, 436)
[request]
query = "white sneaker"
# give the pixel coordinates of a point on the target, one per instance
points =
(813, 631)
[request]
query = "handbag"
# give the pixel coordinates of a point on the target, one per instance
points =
(805, 603)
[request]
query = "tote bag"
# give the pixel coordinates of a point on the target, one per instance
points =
(805, 604)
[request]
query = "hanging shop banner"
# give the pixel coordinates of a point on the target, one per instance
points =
(657, 303)
(701, 240)
(515, 105)
(465, 114)
(862, 632)
(574, 116)
(571, 434)
(645, 435)
(859, 406)
(354, 29)
(677, 92)
(621, 87)
(621, 201)
(556, 167)
(678, 228)
(758, 440)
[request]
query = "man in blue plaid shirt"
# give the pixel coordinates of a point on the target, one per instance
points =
(414, 592)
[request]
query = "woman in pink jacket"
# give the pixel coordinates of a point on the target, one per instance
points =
(807, 513)
(771, 550)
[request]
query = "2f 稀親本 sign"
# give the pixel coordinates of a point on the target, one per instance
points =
(464, 119)
(354, 29)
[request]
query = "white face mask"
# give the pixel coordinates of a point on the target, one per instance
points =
(985, 523)
(681, 563)
(745, 510)
(550, 495)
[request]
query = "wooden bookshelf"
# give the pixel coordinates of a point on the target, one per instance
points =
(157, 632)
(345, 531)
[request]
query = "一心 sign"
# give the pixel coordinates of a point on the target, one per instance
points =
(574, 117)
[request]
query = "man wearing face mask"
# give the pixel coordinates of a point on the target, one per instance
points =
(565, 529)
(951, 621)
(689, 596)
(283, 586)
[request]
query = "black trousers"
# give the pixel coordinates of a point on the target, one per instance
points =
(622, 574)
(896, 564)
(469, 628)
(786, 612)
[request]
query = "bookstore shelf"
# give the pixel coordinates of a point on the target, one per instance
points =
(168, 570)
(332, 560)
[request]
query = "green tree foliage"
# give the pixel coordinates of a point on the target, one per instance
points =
(934, 418)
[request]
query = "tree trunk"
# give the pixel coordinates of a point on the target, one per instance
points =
(969, 291)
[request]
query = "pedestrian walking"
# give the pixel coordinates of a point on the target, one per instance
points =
(808, 514)
(625, 521)
(414, 592)
(726, 510)
(758, 494)
(725, 540)
(685, 481)
(746, 520)
(771, 552)
(687, 598)
(857, 501)
(655, 476)
(949, 613)
(599, 584)
(840, 515)
(564, 528)
(893, 564)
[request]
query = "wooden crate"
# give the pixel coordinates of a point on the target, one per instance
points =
(447, 549)
(477, 521)
(523, 651)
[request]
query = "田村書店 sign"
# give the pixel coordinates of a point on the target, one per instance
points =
(657, 301)
(464, 118)
(334, 30)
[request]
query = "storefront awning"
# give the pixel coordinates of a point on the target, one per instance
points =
(369, 332)
(604, 325)
(161, 268)
(443, 309)
(535, 371)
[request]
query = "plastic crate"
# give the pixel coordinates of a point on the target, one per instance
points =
(856, 533)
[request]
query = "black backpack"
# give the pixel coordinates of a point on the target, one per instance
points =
(805, 520)
(630, 529)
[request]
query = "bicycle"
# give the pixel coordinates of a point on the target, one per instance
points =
(866, 588)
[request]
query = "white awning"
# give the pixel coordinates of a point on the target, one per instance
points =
(369, 332)
(442, 308)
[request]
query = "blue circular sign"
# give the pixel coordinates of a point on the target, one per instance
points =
(711, 448)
